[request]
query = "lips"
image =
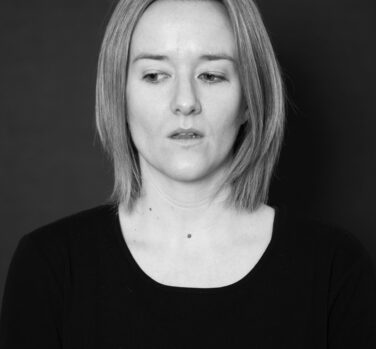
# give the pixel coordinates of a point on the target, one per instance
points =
(189, 133)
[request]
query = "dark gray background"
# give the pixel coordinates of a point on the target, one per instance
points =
(52, 166)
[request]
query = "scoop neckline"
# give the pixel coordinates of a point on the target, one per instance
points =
(148, 281)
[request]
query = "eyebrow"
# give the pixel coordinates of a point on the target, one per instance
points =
(205, 57)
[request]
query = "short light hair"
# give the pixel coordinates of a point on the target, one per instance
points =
(258, 143)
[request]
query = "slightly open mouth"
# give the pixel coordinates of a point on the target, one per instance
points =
(186, 135)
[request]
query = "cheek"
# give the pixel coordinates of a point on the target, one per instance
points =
(142, 131)
(227, 118)
(141, 118)
(145, 109)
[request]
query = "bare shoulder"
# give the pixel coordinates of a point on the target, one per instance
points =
(266, 214)
(256, 226)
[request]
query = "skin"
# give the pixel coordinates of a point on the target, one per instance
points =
(185, 91)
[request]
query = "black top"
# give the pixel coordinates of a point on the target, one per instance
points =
(75, 284)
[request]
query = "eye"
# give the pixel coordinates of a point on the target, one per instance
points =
(212, 78)
(152, 77)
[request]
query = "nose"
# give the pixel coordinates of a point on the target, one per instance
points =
(185, 101)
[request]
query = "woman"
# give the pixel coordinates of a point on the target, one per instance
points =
(188, 254)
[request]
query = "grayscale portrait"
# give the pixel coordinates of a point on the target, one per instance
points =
(189, 174)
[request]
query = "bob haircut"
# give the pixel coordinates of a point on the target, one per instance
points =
(257, 147)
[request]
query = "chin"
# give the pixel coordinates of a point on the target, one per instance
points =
(188, 172)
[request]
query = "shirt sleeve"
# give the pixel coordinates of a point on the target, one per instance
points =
(32, 301)
(352, 310)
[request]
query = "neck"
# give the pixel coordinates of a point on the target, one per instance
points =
(181, 210)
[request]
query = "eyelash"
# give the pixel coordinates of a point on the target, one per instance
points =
(221, 78)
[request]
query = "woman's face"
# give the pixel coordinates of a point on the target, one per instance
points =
(181, 76)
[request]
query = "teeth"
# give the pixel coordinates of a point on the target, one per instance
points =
(186, 134)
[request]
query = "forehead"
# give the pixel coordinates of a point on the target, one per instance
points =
(183, 27)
